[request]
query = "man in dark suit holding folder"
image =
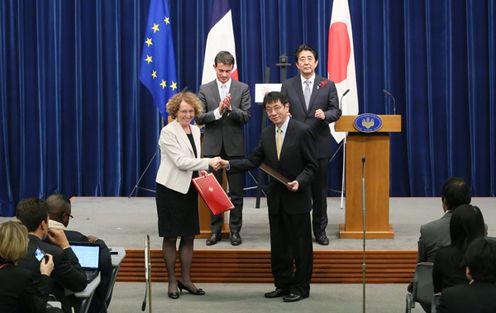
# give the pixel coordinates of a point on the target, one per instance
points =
(286, 147)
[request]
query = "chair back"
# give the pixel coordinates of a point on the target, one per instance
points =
(423, 287)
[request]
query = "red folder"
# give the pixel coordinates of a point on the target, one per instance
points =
(212, 193)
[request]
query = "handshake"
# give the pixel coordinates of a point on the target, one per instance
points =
(217, 163)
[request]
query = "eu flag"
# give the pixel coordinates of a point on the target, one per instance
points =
(158, 67)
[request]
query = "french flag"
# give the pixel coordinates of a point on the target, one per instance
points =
(220, 38)
(341, 61)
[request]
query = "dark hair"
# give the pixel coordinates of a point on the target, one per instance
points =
(466, 225)
(274, 96)
(481, 260)
(305, 47)
(31, 212)
(224, 57)
(58, 205)
(456, 192)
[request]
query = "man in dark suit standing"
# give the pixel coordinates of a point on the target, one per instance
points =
(67, 273)
(314, 101)
(226, 109)
(286, 146)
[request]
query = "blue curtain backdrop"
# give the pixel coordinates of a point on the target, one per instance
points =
(75, 118)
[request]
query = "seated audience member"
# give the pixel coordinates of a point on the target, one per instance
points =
(466, 225)
(59, 212)
(67, 274)
(19, 290)
(479, 295)
(435, 234)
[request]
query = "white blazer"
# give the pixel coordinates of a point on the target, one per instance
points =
(177, 159)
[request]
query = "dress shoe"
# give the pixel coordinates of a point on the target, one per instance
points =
(279, 292)
(197, 292)
(214, 238)
(235, 239)
(173, 295)
(293, 297)
(322, 239)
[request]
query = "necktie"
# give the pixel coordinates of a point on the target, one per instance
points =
(223, 91)
(307, 93)
(278, 142)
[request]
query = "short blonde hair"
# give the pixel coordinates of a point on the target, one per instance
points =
(13, 241)
(188, 97)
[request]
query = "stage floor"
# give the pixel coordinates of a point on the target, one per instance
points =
(122, 221)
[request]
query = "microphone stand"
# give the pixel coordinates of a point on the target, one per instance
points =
(148, 277)
(364, 264)
(392, 97)
(137, 186)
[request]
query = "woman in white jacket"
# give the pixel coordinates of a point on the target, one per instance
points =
(176, 198)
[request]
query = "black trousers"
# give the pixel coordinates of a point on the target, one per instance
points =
(235, 182)
(291, 251)
(319, 197)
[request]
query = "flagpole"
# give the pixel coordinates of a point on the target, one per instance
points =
(344, 172)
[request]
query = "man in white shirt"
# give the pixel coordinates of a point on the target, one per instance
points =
(226, 109)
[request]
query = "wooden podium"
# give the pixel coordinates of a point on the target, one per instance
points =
(375, 148)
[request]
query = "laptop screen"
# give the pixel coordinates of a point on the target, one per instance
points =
(87, 254)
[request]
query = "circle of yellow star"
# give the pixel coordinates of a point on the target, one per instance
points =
(173, 86)
(149, 42)
(155, 28)
(154, 74)
(163, 84)
(166, 20)
(148, 59)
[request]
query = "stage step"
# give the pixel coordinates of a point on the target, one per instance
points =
(253, 266)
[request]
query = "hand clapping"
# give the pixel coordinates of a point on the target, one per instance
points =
(225, 104)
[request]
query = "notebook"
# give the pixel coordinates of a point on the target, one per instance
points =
(88, 255)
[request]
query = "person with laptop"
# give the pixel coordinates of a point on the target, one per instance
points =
(67, 273)
(59, 212)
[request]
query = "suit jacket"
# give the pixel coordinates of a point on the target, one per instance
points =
(297, 162)
(324, 97)
(478, 297)
(434, 235)
(448, 270)
(229, 129)
(20, 292)
(177, 158)
(67, 272)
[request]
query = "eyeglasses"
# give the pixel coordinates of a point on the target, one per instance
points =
(275, 108)
(186, 111)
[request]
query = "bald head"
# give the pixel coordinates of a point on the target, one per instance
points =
(59, 208)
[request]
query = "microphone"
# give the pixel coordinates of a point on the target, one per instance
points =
(341, 101)
(394, 100)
